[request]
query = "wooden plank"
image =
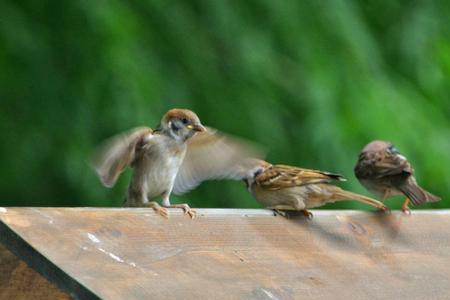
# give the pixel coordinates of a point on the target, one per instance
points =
(239, 254)
(18, 281)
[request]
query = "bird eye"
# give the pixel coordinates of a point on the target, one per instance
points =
(393, 150)
(184, 121)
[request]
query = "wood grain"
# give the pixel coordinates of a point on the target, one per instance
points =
(18, 281)
(241, 254)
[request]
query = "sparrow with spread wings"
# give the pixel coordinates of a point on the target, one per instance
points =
(281, 188)
(385, 172)
(175, 157)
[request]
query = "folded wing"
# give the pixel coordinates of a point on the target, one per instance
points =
(383, 165)
(281, 176)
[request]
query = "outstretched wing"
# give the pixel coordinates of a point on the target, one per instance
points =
(282, 176)
(114, 155)
(213, 155)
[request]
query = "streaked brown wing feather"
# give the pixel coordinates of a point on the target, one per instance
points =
(382, 164)
(282, 176)
(212, 155)
(114, 155)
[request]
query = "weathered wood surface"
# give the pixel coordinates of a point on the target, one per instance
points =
(20, 282)
(235, 254)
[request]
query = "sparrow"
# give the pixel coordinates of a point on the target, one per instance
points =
(282, 187)
(175, 157)
(382, 170)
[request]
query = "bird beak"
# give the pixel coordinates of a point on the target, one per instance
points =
(196, 127)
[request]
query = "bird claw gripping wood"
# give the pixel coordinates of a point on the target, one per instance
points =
(405, 208)
(308, 214)
(187, 210)
(406, 211)
(192, 213)
(162, 211)
(385, 210)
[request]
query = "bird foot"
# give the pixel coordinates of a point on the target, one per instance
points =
(187, 210)
(281, 213)
(385, 209)
(405, 208)
(158, 209)
(308, 214)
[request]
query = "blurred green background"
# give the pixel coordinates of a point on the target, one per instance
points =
(314, 81)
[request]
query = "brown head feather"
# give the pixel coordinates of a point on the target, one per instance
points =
(376, 146)
(178, 113)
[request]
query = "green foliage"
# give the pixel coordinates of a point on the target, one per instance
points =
(312, 80)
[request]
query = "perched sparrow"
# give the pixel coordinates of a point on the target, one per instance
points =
(177, 156)
(281, 187)
(385, 172)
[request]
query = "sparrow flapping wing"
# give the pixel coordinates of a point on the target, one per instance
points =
(116, 154)
(281, 176)
(212, 155)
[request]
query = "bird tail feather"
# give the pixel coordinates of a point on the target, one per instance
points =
(347, 196)
(416, 194)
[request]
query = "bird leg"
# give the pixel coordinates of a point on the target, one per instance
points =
(281, 213)
(385, 196)
(158, 208)
(281, 210)
(405, 208)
